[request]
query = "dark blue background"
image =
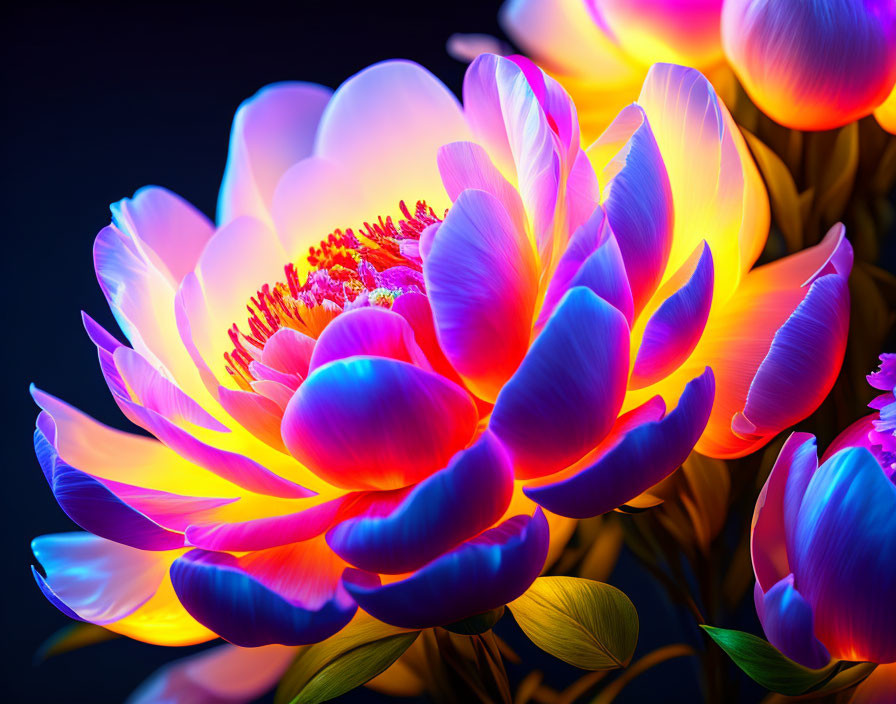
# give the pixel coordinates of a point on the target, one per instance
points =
(99, 101)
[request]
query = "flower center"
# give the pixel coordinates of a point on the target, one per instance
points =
(349, 269)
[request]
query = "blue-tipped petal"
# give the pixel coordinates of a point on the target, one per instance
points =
(786, 618)
(564, 398)
(96, 580)
(288, 595)
(481, 574)
(454, 504)
(655, 448)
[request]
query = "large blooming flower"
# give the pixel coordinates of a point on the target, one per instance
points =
(809, 65)
(824, 542)
(412, 320)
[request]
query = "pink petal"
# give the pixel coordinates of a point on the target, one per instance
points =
(272, 130)
(376, 423)
(171, 231)
(367, 331)
(386, 124)
(225, 674)
(481, 279)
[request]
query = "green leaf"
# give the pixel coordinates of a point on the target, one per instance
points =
(355, 655)
(768, 666)
(588, 624)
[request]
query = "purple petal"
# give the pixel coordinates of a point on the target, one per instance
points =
(786, 618)
(769, 534)
(801, 364)
(94, 507)
(479, 575)
(655, 448)
(674, 329)
(452, 505)
(565, 396)
(289, 595)
(638, 200)
(592, 259)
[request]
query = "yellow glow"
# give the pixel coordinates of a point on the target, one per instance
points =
(163, 621)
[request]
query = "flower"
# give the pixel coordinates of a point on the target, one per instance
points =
(813, 65)
(403, 395)
(824, 541)
(808, 65)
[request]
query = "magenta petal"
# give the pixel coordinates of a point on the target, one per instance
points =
(288, 351)
(768, 541)
(376, 423)
(674, 329)
(656, 448)
(93, 579)
(371, 331)
(481, 574)
(414, 307)
(565, 396)
(269, 532)
(452, 505)
(481, 279)
(786, 618)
